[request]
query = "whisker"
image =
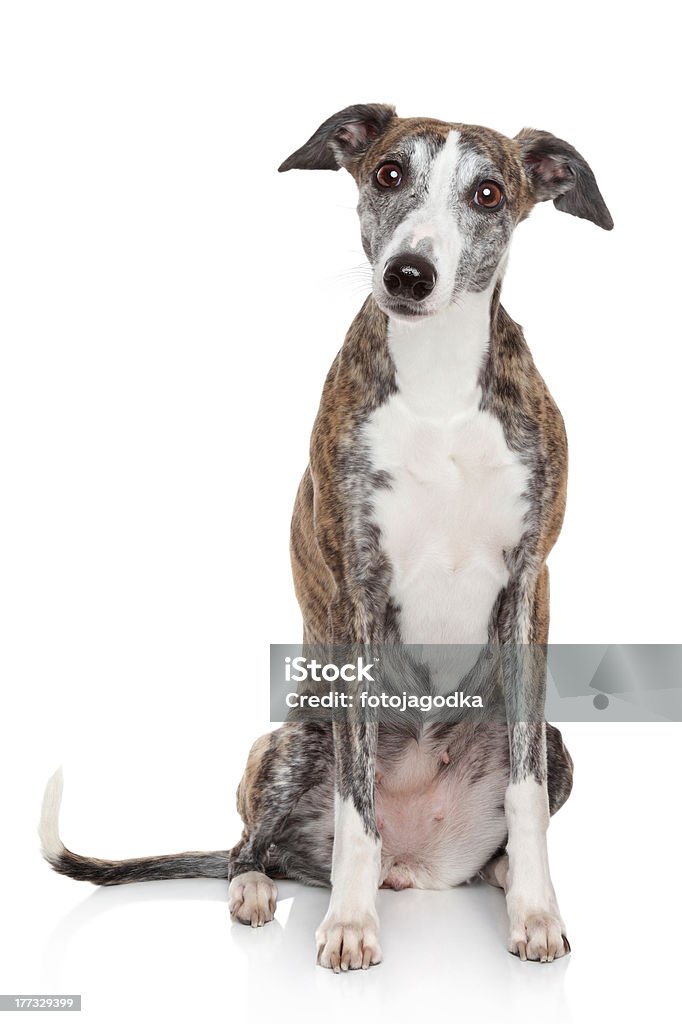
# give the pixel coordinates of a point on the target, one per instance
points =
(355, 274)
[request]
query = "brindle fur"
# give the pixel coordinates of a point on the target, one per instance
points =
(300, 847)
(340, 573)
(342, 576)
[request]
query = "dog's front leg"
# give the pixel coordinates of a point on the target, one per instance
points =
(536, 930)
(348, 937)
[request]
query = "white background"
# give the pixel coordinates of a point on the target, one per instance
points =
(170, 306)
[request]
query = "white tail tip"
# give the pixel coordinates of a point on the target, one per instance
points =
(51, 845)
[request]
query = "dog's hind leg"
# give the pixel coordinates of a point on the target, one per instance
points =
(252, 898)
(281, 768)
(293, 762)
(559, 770)
(495, 872)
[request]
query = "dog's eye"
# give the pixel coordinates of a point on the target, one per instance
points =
(489, 195)
(389, 175)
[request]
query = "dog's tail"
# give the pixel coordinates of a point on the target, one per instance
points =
(118, 872)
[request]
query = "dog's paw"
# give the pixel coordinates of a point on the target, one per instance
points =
(538, 937)
(252, 898)
(344, 945)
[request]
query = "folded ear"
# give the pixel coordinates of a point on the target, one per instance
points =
(557, 171)
(342, 138)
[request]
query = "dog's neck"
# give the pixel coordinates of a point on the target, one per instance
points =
(438, 359)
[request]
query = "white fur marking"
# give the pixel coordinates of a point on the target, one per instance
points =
(536, 927)
(356, 861)
(51, 845)
(455, 502)
(349, 935)
(252, 898)
(435, 218)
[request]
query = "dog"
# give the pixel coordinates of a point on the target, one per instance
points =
(434, 494)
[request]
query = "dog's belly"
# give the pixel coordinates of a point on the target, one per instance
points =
(439, 805)
(454, 505)
(440, 824)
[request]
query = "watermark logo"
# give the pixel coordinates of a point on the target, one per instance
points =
(448, 682)
(300, 670)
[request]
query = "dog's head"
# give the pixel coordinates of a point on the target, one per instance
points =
(439, 202)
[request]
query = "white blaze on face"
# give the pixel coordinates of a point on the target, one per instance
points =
(435, 220)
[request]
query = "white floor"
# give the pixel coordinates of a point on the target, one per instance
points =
(166, 951)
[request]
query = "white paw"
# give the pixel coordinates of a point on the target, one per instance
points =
(345, 944)
(252, 898)
(538, 937)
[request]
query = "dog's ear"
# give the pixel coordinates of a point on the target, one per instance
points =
(557, 171)
(342, 138)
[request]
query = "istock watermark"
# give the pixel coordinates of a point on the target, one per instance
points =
(450, 682)
(300, 670)
(386, 701)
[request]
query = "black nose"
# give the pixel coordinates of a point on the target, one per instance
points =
(410, 276)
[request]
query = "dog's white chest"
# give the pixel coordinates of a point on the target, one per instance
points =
(455, 503)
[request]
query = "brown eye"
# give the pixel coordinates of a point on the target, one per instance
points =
(389, 175)
(489, 194)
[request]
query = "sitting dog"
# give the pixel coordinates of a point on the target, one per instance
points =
(435, 491)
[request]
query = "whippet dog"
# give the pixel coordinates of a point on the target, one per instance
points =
(434, 493)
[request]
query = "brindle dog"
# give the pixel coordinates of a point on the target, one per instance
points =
(435, 491)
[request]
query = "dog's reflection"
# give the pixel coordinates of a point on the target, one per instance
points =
(437, 940)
